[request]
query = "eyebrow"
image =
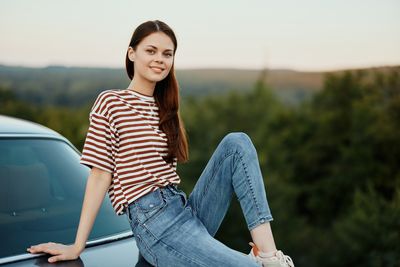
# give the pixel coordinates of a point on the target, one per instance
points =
(169, 50)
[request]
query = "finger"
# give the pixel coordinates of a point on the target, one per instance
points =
(46, 248)
(52, 251)
(38, 248)
(34, 249)
(56, 258)
(31, 250)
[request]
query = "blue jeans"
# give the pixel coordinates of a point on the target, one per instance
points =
(173, 230)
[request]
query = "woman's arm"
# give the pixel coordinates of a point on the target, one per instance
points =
(96, 188)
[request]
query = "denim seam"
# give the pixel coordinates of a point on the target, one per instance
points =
(259, 221)
(128, 213)
(147, 248)
(153, 216)
(250, 184)
(219, 164)
(227, 155)
(179, 254)
(173, 249)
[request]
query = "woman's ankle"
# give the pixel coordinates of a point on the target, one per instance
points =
(263, 251)
(267, 254)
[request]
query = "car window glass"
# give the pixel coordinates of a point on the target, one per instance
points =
(42, 185)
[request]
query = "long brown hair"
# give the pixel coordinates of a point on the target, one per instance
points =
(166, 94)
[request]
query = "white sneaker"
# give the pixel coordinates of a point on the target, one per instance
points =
(277, 259)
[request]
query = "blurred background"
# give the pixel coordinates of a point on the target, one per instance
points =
(316, 85)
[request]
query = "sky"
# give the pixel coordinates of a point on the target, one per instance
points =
(307, 35)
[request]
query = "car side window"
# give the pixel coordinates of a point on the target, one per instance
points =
(42, 186)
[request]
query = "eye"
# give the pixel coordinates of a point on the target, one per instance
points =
(150, 51)
(170, 55)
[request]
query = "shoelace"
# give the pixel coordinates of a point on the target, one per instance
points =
(284, 259)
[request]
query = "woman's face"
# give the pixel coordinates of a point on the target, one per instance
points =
(153, 58)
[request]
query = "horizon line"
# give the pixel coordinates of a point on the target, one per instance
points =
(213, 68)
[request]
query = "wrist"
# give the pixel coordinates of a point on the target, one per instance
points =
(79, 248)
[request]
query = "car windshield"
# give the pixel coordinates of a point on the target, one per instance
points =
(42, 185)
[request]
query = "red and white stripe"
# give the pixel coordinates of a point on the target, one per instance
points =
(124, 139)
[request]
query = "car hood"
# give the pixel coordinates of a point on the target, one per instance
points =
(120, 253)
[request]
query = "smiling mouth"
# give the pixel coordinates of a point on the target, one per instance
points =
(157, 69)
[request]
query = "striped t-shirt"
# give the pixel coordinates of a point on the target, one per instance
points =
(124, 139)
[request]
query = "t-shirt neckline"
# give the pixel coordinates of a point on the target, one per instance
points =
(142, 96)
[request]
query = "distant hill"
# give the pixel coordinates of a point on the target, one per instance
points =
(76, 86)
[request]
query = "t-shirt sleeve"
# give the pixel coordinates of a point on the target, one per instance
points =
(98, 149)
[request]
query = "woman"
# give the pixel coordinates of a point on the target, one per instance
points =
(134, 141)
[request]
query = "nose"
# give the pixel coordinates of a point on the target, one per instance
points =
(159, 58)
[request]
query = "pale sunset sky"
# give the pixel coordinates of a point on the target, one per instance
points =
(307, 35)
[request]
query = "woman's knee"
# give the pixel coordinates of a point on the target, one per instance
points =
(237, 140)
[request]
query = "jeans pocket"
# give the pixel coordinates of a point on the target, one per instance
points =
(184, 198)
(151, 204)
(182, 195)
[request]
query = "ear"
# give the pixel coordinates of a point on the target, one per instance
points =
(131, 54)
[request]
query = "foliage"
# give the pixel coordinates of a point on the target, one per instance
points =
(72, 123)
(75, 86)
(331, 164)
(331, 167)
